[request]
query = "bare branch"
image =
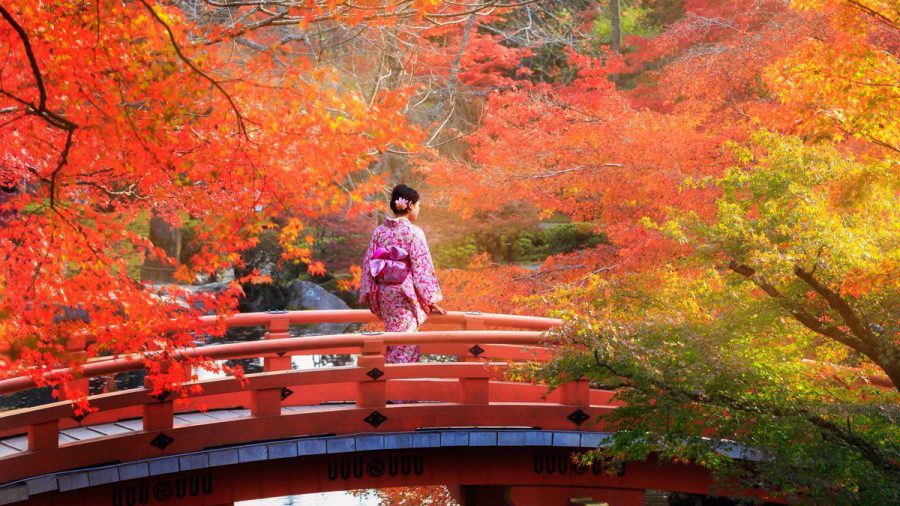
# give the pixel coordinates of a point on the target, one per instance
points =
(566, 171)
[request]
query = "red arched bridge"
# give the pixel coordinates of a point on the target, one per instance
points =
(287, 431)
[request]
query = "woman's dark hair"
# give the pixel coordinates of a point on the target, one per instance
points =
(403, 191)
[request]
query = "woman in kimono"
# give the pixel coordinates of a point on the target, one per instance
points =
(398, 281)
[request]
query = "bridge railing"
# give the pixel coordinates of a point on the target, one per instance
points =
(370, 384)
(471, 320)
(277, 325)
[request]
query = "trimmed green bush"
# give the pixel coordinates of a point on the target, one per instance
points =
(531, 245)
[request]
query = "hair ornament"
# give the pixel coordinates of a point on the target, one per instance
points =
(401, 203)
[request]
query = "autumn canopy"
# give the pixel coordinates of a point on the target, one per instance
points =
(706, 190)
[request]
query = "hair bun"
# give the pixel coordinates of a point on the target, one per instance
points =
(402, 199)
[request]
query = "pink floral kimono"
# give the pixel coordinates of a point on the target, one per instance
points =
(402, 301)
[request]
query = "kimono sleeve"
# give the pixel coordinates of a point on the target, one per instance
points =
(365, 280)
(423, 275)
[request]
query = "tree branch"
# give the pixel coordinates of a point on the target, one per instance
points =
(29, 52)
(800, 314)
(883, 353)
(40, 109)
(830, 430)
(864, 342)
(63, 158)
(566, 171)
(240, 118)
(872, 12)
(838, 304)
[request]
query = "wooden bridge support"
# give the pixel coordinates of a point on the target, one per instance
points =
(43, 436)
(278, 329)
(267, 401)
(372, 393)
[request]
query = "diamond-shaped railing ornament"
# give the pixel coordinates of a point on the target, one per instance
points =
(578, 417)
(78, 418)
(375, 419)
(162, 440)
(476, 350)
(161, 396)
(375, 373)
(286, 392)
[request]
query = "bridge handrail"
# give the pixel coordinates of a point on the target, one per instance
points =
(279, 321)
(288, 344)
(366, 316)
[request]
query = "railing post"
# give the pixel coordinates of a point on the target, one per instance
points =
(265, 402)
(43, 436)
(474, 390)
(474, 321)
(575, 393)
(76, 346)
(371, 393)
(278, 329)
(158, 415)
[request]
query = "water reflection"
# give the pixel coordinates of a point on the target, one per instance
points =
(329, 498)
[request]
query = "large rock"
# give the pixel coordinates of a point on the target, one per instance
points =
(273, 297)
(308, 295)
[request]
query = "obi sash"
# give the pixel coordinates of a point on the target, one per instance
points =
(389, 266)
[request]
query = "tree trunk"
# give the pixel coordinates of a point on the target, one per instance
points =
(616, 22)
(169, 240)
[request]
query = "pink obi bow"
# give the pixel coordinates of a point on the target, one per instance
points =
(389, 265)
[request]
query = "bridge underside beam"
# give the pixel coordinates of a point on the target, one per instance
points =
(527, 464)
(520, 475)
